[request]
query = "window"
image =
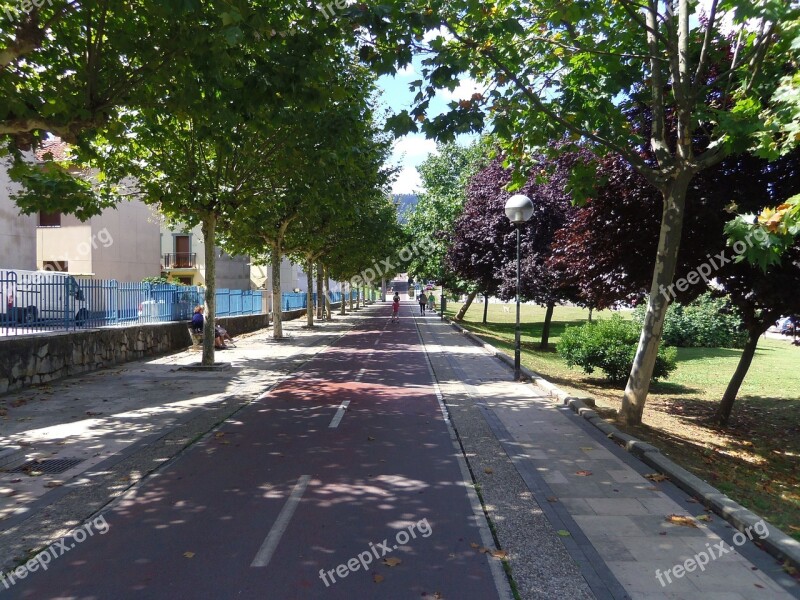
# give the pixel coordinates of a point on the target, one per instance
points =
(185, 280)
(58, 266)
(49, 219)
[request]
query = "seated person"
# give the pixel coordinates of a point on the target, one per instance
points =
(222, 334)
(198, 321)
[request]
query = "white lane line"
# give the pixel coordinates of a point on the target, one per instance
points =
(360, 374)
(271, 542)
(339, 414)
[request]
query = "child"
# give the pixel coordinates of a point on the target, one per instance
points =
(396, 308)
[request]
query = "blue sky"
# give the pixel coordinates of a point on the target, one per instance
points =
(411, 150)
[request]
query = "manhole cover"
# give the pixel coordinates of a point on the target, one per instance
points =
(51, 466)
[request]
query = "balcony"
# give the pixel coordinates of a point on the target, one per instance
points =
(180, 260)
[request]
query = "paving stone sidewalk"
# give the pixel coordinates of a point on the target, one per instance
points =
(118, 424)
(572, 485)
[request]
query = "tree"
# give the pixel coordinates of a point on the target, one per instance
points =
(591, 248)
(444, 177)
(552, 67)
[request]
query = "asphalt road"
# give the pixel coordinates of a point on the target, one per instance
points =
(341, 482)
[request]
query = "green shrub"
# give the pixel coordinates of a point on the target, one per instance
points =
(708, 322)
(610, 345)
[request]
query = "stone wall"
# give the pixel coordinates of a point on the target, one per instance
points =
(30, 360)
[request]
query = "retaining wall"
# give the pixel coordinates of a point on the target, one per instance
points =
(34, 359)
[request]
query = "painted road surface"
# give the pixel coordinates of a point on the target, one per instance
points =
(341, 482)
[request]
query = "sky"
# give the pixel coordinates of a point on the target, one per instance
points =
(412, 149)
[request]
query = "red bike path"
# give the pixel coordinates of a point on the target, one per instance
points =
(279, 496)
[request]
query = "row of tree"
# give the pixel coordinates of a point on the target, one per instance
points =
(600, 254)
(251, 119)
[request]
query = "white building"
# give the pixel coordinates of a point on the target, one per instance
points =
(17, 239)
(183, 260)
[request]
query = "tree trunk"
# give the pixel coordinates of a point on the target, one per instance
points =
(467, 304)
(358, 296)
(342, 311)
(309, 293)
(548, 317)
(485, 307)
(350, 294)
(327, 292)
(728, 398)
(320, 300)
(209, 227)
(591, 308)
(669, 241)
(383, 289)
(277, 305)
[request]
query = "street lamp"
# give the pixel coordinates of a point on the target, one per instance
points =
(519, 210)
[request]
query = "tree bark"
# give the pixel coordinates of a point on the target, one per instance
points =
(644, 361)
(320, 299)
(208, 228)
(726, 404)
(327, 293)
(485, 307)
(350, 294)
(591, 308)
(465, 308)
(277, 307)
(309, 293)
(343, 310)
(548, 318)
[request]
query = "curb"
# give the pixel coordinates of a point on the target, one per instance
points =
(10, 455)
(776, 542)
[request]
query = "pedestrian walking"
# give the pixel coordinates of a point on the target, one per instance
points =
(423, 300)
(396, 308)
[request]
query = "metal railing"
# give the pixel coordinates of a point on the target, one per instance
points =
(299, 300)
(180, 260)
(41, 301)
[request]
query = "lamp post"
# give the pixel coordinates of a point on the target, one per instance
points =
(519, 210)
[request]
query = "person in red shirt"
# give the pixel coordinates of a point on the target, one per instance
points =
(396, 308)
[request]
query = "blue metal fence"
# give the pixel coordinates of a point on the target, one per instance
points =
(38, 301)
(299, 300)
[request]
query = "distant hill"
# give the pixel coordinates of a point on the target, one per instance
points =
(405, 203)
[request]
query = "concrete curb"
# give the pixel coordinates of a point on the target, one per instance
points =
(10, 456)
(776, 542)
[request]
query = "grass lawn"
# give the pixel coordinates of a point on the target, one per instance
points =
(756, 460)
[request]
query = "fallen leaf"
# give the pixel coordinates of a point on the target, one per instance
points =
(377, 578)
(370, 438)
(662, 533)
(438, 596)
(583, 473)
(587, 448)
(499, 553)
(563, 533)
(17, 480)
(656, 477)
(474, 545)
(219, 434)
(189, 554)
(488, 470)
(703, 518)
(53, 484)
(693, 500)
(681, 520)
(552, 499)
(93, 414)
(391, 561)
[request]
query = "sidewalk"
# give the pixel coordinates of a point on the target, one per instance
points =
(110, 428)
(553, 484)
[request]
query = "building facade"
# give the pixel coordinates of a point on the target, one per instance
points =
(17, 232)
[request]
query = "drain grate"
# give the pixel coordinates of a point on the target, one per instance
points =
(50, 466)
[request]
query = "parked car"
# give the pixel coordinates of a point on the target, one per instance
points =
(429, 287)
